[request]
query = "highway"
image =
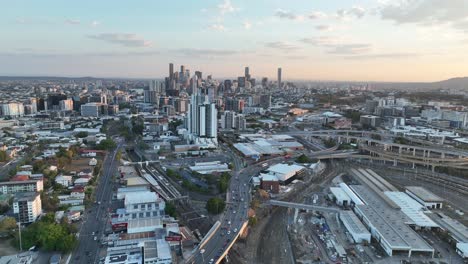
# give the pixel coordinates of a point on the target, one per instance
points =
(235, 214)
(96, 216)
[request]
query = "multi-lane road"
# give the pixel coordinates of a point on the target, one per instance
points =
(235, 215)
(96, 217)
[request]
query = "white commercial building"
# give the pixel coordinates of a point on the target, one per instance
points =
(157, 252)
(425, 197)
(285, 172)
(342, 199)
(355, 228)
(388, 225)
(412, 209)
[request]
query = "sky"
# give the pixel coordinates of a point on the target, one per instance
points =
(347, 40)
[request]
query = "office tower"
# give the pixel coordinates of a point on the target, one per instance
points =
(182, 69)
(233, 120)
(66, 105)
(247, 73)
(279, 78)
(171, 71)
(241, 81)
(264, 81)
(265, 101)
(227, 86)
(201, 118)
(199, 75)
(234, 104)
(91, 109)
(98, 84)
(12, 109)
(53, 101)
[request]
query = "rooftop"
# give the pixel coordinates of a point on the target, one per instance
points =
(389, 222)
(140, 197)
(353, 222)
(424, 194)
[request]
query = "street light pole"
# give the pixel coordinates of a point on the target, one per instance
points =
(19, 230)
(202, 255)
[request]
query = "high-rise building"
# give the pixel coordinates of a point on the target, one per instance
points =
(264, 81)
(202, 115)
(12, 109)
(241, 81)
(66, 105)
(247, 73)
(279, 78)
(265, 101)
(27, 207)
(233, 120)
(91, 109)
(171, 71)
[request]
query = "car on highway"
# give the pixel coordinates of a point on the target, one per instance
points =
(228, 232)
(235, 230)
(229, 222)
(95, 238)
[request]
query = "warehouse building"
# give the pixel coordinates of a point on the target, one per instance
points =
(355, 227)
(387, 224)
(342, 199)
(425, 197)
(284, 172)
(412, 209)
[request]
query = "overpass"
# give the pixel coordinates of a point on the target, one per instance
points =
(379, 149)
(299, 206)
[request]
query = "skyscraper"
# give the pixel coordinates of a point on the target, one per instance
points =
(279, 78)
(171, 71)
(247, 73)
(202, 114)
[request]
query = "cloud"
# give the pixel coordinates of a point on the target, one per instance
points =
(427, 12)
(217, 27)
(317, 15)
(285, 14)
(383, 56)
(127, 40)
(338, 46)
(350, 49)
(324, 27)
(321, 41)
(355, 11)
(227, 7)
(32, 52)
(95, 23)
(247, 25)
(72, 21)
(281, 45)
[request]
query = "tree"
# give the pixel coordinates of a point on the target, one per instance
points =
(170, 209)
(7, 224)
(215, 205)
(223, 183)
(106, 144)
(252, 221)
(81, 134)
(303, 159)
(3, 156)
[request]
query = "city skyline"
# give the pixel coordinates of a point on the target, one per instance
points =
(337, 40)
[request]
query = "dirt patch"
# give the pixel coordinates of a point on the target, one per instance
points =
(79, 164)
(6, 248)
